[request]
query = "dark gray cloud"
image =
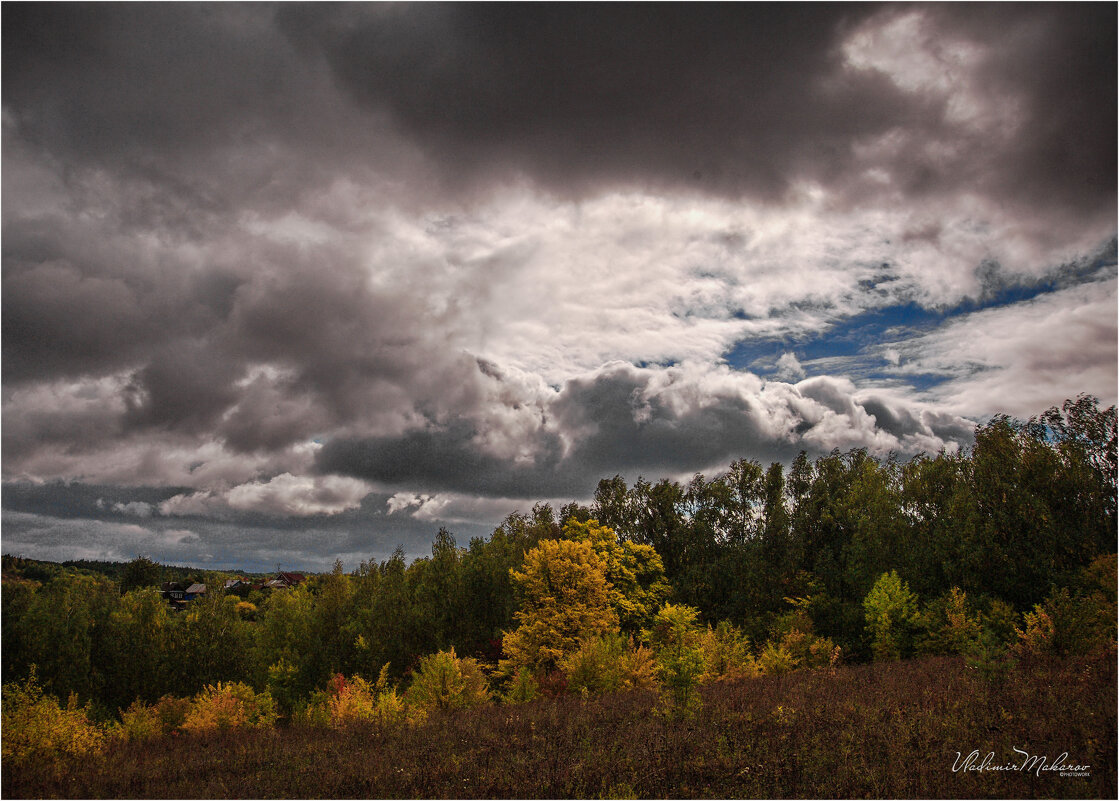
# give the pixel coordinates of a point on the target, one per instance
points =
(183, 387)
(69, 499)
(725, 97)
(898, 422)
(622, 419)
(225, 545)
(828, 393)
(80, 297)
(733, 98)
(76, 520)
(730, 98)
(1061, 60)
(133, 85)
(632, 421)
(449, 459)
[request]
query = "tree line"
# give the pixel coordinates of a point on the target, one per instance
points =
(1004, 545)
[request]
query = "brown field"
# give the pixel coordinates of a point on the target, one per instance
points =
(870, 731)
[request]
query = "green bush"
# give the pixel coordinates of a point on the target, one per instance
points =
(948, 625)
(283, 684)
(776, 658)
(595, 667)
(675, 637)
(444, 680)
(140, 722)
(891, 616)
(522, 688)
(1068, 624)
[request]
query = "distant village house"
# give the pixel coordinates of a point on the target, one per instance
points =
(178, 593)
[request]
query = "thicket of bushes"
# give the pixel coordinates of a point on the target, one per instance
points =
(886, 730)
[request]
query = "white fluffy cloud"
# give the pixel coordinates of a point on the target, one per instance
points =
(1021, 359)
(300, 496)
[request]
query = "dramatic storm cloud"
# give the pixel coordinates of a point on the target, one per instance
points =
(285, 283)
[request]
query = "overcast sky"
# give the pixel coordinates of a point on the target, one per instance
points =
(285, 283)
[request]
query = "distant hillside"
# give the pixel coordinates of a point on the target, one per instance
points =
(42, 570)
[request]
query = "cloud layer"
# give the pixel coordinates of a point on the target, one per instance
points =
(315, 280)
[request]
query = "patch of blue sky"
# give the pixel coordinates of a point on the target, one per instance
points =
(661, 363)
(1002, 290)
(848, 346)
(921, 382)
(855, 346)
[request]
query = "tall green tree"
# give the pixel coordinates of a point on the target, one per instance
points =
(384, 616)
(210, 643)
(137, 649)
(775, 518)
(140, 572)
(64, 631)
(332, 643)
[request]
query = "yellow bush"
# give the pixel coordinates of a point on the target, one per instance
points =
(776, 658)
(638, 667)
(229, 706)
(726, 654)
(391, 709)
(350, 701)
(315, 712)
(610, 663)
(1037, 637)
(37, 727)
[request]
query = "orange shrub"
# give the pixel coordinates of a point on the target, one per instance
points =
(229, 706)
(355, 700)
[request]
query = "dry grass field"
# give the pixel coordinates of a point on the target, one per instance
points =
(896, 730)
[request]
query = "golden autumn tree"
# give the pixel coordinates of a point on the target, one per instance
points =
(635, 572)
(566, 598)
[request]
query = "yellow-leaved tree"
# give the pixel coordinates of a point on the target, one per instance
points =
(638, 585)
(566, 598)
